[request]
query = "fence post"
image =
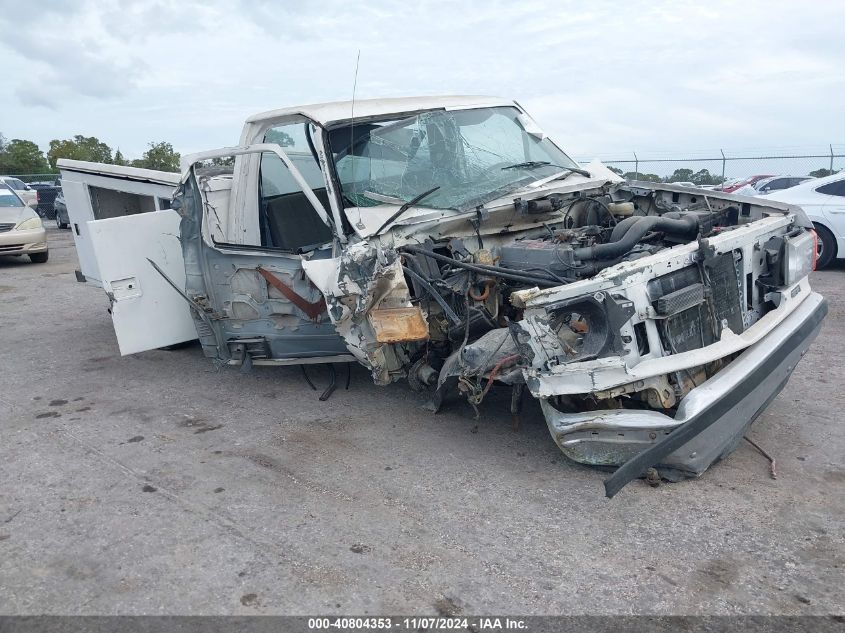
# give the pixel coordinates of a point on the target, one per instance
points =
(723, 164)
(831, 158)
(637, 166)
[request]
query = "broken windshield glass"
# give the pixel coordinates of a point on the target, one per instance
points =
(473, 156)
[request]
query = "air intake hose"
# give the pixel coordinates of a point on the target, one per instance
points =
(630, 231)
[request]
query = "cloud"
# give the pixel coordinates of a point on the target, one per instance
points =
(35, 93)
(603, 77)
(64, 67)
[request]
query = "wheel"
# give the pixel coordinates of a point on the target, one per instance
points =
(39, 258)
(60, 224)
(826, 250)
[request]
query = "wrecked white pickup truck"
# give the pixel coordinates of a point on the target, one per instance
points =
(449, 242)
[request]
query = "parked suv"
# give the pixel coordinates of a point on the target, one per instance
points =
(46, 193)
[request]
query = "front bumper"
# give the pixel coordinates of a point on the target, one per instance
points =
(710, 421)
(23, 242)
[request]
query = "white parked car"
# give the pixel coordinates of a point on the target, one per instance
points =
(778, 183)
(24, 191)
(823, 200)
(770, 185)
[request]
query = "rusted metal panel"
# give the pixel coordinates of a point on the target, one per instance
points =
(397, 325)
(312, 309)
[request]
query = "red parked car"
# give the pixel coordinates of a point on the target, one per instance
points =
(733, 185)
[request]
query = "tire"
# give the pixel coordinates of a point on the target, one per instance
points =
(827, 246)
(39, 258)
(60, 224)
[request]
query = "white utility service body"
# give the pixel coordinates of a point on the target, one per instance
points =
(95, 192)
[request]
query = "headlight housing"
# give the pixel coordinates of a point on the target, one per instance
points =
(790, 258)
(588, 327)
(29, 224)
(799, 257)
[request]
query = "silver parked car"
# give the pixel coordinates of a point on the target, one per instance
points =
(62, 218)
(21, 229)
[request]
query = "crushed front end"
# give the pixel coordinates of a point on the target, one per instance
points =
(652, 324)
(665, 361)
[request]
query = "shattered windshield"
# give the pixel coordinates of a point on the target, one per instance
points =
(473, 156)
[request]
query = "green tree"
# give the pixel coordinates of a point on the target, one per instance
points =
(680, 175)
(704, 177)
(279, 137)
(646, 177)
(821, 173)
(160, 156)
(119, 159)
(80, 147)
(19, 156)
(229, 161)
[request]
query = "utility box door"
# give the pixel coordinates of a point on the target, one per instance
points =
(97, 191)
(147, 311)
(79, 212)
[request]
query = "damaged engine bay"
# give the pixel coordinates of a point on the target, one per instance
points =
(465, 290)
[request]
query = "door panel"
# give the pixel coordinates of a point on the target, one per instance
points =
(258, 301)
(249, 307)
(834, 213)
(147, 311)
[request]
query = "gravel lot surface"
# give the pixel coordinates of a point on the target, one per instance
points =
(157, 484)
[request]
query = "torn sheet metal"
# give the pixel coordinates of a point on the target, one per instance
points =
(362, 280)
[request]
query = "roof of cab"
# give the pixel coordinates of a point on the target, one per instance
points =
(327, 113)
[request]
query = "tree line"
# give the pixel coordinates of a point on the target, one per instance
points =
(20, 156)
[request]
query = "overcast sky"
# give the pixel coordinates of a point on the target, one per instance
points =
(601, 78)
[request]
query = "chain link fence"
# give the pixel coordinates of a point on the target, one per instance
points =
(702, 167)
(710, 168)
(28, 178)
